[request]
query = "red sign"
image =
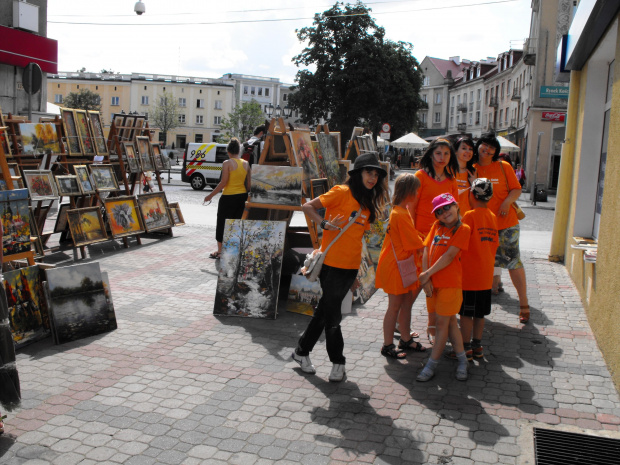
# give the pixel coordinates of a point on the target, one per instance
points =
(18, 48)
(553, 116)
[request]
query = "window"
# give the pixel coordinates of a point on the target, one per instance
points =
(437, 98)
(200, 103)
(502, 91)
(115, 101)
(182, 102)
(423, 118)
(218, 104)
(198, 119)
(426, 81)
(437, 117)
(508, 87)
(266, 91)
(284, 97)
(146, 115)
(425, 98)
(506, 116)
(501, 114)
(451, 122)
(163, 101)
(479, 96)
(477, 117)
(260, 91)
(217, 120)
(245, 90)
(145, 100)
(182, 119)
(198, 138)
(252, 90)
(58, 98)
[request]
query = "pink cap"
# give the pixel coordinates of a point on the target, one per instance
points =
(441, 200)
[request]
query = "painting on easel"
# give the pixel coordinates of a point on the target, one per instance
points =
(15, 221)
(276, 185)
(304, 156)
(330, 158)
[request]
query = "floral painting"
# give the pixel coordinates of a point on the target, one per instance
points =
(154, 211)
(86, 226)
(39, 138)
(15, 221)
(123, 216)
(329, 155)
(277, 185)
(250, 268)
(304, 155)
(84, 131)
(41, 184)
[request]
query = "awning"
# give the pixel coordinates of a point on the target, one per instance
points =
(506, 145)
(410, 141)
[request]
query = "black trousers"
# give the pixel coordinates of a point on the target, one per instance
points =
(335, 283)
(229, 207)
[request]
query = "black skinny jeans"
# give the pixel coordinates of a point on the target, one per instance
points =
(335, 283)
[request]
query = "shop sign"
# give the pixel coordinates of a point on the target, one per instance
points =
(553, 116)
(553, 92)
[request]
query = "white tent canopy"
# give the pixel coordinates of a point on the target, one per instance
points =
(506, 145)
(410, 141)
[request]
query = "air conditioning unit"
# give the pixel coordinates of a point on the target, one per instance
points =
(26, 16)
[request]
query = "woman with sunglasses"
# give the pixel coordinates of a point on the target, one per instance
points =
(506, 190)
(464, 149)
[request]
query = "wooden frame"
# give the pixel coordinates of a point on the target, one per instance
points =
(143, 144)
(61, 218)
(133, 161)
(175, 214)
(68, 185)
(84, 130)
(101, 147)
(86, 226)
(156, 152)
(155, 211)
(129, 124)
(84, 181)
(119, 119)
(41, 184)
(103, 177)
(74, 142)
(124, 216)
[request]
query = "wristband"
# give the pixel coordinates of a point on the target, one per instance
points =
(324, 224)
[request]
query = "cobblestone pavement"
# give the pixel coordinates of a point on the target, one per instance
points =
(176, 385)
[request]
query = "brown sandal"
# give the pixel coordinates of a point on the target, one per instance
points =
(524, 313)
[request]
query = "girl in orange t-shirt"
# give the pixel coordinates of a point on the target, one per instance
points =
(442, 281)
(402, 241)
(464, 149)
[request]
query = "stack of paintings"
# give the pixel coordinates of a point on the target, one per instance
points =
(15, 222)
(276, 185)
(250, 268)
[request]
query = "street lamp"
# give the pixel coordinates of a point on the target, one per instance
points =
(288, 111)
(278, 111)
(269, 110)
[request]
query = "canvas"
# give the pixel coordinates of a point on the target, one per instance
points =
(143, 144)
(96, 124)
(129, 123)
(318, 157)
(156, 151)
(276, 185)
(118, 123)
(344, 166)
(175, 213)
(250, 267)
(304, 156)
(85, 133)
(79, 306)
(4, 141)
(68, 185)
(39, 138)
(336, 141)
(132, 159)
(28, 312)
(104, 178)
(15, 222)
(123, 216)
(154, 211)
(61, 218)
(330, 159)
(303, 295)
(366, 278)
(375, 236)
(73, 141)
(86, 226)
(41, 185)
(84, 182)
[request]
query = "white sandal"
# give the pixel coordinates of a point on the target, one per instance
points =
(431, 337)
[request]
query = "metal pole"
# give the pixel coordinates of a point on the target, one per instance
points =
(30, 94)
(533, 191)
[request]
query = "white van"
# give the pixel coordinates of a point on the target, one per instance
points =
(202, 164)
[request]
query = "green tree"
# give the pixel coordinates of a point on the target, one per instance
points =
(361, 78)
(242, 121)
(166, 114)
(83, 100)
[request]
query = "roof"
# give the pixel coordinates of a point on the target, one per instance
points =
(443, 66)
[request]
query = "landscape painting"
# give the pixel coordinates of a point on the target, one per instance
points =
(375, 236)
(68, 185)
(78, 303)
(318, 158)
(304, 155)
(41, 184)
(143, 143)
(104, 178)
(250, 268)
(28, 312)
(366, 278)
(15, 221)
(86, 186)
(124, 216)
(303, 295)
(330, 159)
(39, 138)
(86, 226)
(276, 185)
(154, 211)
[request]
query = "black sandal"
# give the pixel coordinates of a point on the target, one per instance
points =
(393, 352)
(411, 345)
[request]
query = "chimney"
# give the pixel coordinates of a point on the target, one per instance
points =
(456, 60)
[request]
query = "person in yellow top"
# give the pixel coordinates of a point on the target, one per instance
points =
(235, 182)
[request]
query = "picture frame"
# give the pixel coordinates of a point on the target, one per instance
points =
(276, 185)
(39, 138)
(6, 144)
(157, 161)
(118, 120)
(330, 158)
(41, 185)
(133, 161)
(143, 144)
(175, 213)
(318, 187)
(124, 217)
(101, 146)
(155, 211)
(129, 123)
(35, 236)
(61, 218)
(139, 124)
(68, 185)
(84, 180)
(73, 140)
(86, 226)
(304, 157)
(14, 169)
(16, 221)
(337, 141)
(103, 178)
(84, 131)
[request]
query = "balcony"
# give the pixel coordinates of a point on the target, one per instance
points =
(529, 51)
(493, 102)
(516, 94)
(513, 123)
(422, 125)
(461, 107)
(461, 127)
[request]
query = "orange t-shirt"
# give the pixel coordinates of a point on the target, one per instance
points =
(438, 241)
(428, 190)
(478, 260)
(494, 173)
(402, 233)
(462, 182)
(346, 253)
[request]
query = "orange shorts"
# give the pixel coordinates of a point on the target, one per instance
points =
(445, 301)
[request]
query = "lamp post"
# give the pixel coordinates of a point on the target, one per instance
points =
(288, 111)
(269, 110)
(278, 111)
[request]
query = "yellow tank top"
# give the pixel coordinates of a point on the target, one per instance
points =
(236, 179)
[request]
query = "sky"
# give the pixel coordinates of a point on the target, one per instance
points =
(207, 38)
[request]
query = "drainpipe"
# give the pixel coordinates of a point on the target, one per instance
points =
(564, 193)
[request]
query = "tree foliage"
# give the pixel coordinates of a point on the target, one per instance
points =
(242, 121)
(166, 114)
(83, 100)
(361, 78)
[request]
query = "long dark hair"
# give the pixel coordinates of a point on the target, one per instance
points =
(426, 163)
(489, 139)
(465, 140)
(373, 199)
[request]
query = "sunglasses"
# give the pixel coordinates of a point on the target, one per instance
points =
(443, 209)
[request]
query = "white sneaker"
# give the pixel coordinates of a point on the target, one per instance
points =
(304, 362)
(338, 374)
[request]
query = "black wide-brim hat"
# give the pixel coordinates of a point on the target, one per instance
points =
(369, 161)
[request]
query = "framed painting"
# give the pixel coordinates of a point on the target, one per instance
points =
(276, 185)
(156, 153)
(129, 124)
(74, 143)
(41, 184)
(118, 120)
(6, 145)
(154, 211)
(124, 216)
(143, 144)
(101, 146)
(318, 187)
(103, 178)
(365, 277)
(14, 169)
(68, 185)
(39, 138)
(85, 133)
(304, 156)
(175, 213)
(84, 182)
(375, 236)
(303, 295)
(133, 161)
(277, 151)
(15, 221)
(86, 226)
(250, 267)
(336, 140)
(330, 159)
(61, 218)
(139, 124)
(165, 160)
(318, 158)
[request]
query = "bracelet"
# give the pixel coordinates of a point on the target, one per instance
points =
(324, 224)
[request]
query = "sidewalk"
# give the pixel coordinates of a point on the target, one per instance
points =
(175, 385)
